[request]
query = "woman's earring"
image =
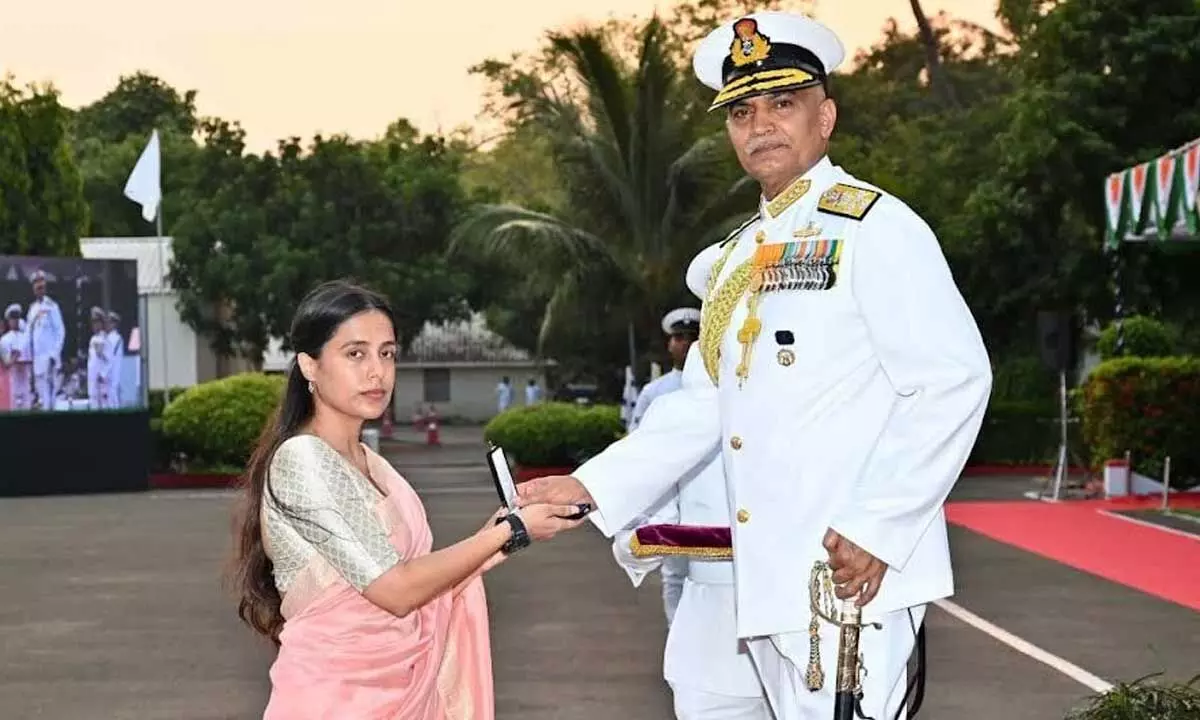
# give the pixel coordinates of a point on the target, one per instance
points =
(310, 387)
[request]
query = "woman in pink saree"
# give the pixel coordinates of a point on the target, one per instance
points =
(335, 560)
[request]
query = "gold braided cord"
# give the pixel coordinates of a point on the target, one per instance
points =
(718, 266)
(708, 553)
(718, 311)
(822, 603)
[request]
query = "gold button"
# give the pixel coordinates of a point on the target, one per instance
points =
(735, 442)
(760, 237)
(743, 516)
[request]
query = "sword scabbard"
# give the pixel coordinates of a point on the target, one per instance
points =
(846, 687)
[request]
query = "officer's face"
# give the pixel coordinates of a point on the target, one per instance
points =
(356, 370)
(677, 347)
(779, 137)
(39, 288)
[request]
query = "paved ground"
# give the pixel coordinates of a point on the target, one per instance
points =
(1181, 521)
(111, 609)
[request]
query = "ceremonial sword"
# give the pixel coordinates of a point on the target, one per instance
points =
(848, 619)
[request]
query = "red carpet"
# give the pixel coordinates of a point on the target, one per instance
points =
(1078, 534)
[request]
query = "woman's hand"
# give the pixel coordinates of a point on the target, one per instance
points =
(543, 521)
(493, 520)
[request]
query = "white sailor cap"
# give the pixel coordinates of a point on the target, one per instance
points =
(114, 317)
(681, 320)
(766, 52)
(13, 310)
(97, 313)
(37, 275)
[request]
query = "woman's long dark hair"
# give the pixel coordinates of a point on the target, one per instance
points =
(316, 320)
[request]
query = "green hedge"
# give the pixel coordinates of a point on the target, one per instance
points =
(156, 402)
(1150, 407)
(1143, 337)
(1018, 433)
(564, 435)
(554, 434)
(215, 424)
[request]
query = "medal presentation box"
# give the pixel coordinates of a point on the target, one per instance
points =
(73, 410)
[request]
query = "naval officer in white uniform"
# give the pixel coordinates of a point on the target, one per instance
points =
(840, 373)
(46, 334)
(681, 326)
(709, 670)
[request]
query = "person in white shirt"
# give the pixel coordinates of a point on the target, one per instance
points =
(98, 362)
(840, 374)
(116, 350)
(533, 393)
(503, 394)
(14, 356)
(681, 326)
(46, 334)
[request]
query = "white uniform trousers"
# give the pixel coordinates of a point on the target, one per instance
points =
(44, 389)
(782, 660)
(18, 383)
(709, 671)
(694, 704)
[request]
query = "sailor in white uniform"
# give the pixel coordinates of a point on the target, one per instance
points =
(116, 360)
(99, 362)
(46, 334)
(707, 667)
(681, 327)
(840, 374)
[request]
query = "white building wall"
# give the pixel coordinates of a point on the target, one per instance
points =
(171, 346)
(472, 396)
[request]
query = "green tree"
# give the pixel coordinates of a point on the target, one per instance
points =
(42, 209)
(646, 189)
(1035, 224)
(110, 134)
(263, 231)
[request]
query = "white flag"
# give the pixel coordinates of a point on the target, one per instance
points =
(144, 185)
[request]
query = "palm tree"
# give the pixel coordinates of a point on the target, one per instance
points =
(648, 178)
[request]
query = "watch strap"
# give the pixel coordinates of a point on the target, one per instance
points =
(520, 534)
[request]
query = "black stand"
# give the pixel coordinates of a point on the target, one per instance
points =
(76, 452)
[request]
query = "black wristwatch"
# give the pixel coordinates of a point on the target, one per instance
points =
(520, 536)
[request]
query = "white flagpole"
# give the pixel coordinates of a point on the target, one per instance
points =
(144, 187)
(162, 313)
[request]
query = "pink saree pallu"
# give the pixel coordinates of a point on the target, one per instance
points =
(343, 658)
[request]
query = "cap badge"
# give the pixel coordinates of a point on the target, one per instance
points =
(749, 45)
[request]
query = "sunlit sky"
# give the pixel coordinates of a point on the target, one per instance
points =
(306, 66)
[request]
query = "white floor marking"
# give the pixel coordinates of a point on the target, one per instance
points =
(1145, 523)
(216, 494)
(1065, 667)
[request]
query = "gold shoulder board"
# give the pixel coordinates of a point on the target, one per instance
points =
(848, 201)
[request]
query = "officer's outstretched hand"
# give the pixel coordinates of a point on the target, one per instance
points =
(855, 571)
(553, 490)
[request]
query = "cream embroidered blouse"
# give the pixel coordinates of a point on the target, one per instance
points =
(320, 507)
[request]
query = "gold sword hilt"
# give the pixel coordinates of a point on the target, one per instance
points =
(847, 617)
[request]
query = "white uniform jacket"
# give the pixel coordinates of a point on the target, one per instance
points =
(46, 334)
(666, 384)
(865, 428)
(703, 650)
